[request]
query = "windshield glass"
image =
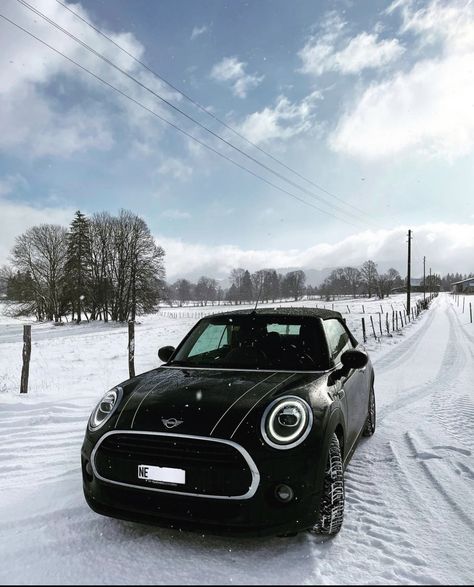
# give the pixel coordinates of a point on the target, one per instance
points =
(255, 342)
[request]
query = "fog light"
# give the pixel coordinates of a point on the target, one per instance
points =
(284, 493)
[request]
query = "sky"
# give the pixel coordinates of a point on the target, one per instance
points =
(371, 104)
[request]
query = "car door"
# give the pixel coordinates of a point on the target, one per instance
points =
(352, 385)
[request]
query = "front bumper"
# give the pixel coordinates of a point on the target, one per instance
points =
(262, 514)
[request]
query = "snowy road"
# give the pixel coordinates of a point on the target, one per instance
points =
(410, 498)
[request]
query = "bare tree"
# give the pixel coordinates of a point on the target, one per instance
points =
(293, 284)
(206, 290)
(100, 247)
(368, 273)
(40, 253)
(183, 290)
(353, 278)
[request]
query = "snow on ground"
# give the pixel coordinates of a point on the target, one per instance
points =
(410, 504)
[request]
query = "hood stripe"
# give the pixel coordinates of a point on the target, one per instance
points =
(239, 398)
(138, 388)
(259, 400)
(164, 380)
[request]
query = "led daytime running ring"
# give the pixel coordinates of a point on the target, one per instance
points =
(303, 428)
(94, 422)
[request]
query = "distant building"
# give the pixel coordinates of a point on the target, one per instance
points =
(466, 286)
(416, 285)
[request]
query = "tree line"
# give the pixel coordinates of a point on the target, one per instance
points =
(264, 285)
(106, 267)
(100, 268)
(267, 285)
(361, 281)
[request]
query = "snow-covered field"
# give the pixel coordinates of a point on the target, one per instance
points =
(410, 503)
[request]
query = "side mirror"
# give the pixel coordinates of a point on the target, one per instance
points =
(354, 359)
(165, 353)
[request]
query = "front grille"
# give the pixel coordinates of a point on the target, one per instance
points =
(213, 468)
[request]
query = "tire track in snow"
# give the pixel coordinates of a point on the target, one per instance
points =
(458, 504)
(389, 485)
(456, 413)
(446, 371)
(418, 503)
(39, 443)
(372, 525)
(397, 354)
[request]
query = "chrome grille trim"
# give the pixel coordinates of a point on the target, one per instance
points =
(248, 459)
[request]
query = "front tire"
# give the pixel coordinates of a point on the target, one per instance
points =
(369, 427)
(331, 511)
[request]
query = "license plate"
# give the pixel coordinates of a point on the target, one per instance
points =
(162, 474)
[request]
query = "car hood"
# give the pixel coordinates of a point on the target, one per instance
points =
(202, 402)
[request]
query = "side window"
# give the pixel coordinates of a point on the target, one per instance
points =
(213, 338)
(337, 337)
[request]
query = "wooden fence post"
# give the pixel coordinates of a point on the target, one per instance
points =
(348, 309)
(373, 328)
(131, 349)
(387, 324)
(396, 320)
(363, 330)
(25, 371)
(380, 324)
(401, 319)
(463, 303)
(470, 310)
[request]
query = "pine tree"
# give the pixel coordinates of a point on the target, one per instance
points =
(77, 265)
(246, 289)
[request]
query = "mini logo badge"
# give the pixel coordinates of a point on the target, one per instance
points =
(171, 422)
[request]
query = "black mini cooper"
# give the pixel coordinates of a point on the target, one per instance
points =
(245, 429)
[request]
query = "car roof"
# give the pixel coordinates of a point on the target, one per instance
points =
(288, 311)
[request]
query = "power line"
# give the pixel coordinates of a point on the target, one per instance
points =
(176, 127)
(207, 111)
(171, 105)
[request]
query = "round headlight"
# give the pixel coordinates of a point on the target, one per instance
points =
(286, 422)
(105, 408)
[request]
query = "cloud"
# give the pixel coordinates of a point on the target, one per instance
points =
(283, 121)
(175, 168)
(331, 50)
(233, 70)
(448, 248)
(18, 217)
(176, 214)
(11, 183)
(198, 31)
(427, 110)
(35, 118)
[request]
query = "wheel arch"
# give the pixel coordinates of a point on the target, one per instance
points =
(335, 425)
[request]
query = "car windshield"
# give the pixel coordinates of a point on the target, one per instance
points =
(255, 342)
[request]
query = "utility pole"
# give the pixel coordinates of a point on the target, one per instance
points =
(409, 272)
(430, 282)
(424, 279)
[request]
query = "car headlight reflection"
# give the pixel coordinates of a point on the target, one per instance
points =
(286, 422)
(105, 408)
